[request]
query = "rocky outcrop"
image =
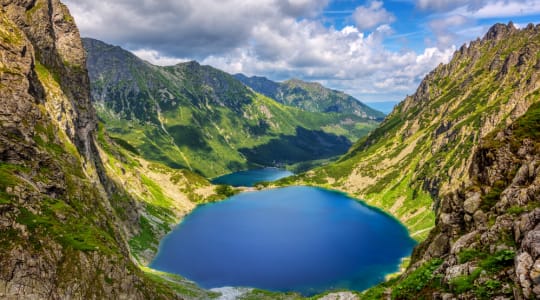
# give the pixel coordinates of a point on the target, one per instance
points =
(496, 214)
(50, 30)
(59, 235)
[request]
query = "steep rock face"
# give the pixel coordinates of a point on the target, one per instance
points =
(60, 237)
(423, 149)
(310, 96)
(50, 29)
(200, 118)
(488, 230)
(119, 65)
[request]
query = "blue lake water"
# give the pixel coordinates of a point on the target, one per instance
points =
(302, 239)
(251, 177)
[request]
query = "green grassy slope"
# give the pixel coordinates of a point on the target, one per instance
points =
(424, 147)
(203, 119)
(507, 195)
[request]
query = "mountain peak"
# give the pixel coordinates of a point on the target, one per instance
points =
(310, 96)
(500, 31)
(296, 81)
(191, 63)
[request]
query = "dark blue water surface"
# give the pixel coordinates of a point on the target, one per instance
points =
(249, 178)
(300, 239)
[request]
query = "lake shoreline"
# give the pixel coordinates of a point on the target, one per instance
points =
(268, 187)
(288, 198)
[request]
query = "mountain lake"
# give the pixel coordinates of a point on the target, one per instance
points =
(251, 177)
(303, 239)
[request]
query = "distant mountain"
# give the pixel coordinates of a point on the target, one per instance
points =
(458, 163)
(261, 85)
(310, 96)
(204, 119)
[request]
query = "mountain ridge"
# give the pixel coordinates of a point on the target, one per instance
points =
(203, 119)
(51, 173)
(310, 96)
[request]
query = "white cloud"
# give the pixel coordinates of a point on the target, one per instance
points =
(445, 29)
(497, 9)
(457, 21)
(194, 28)
(445, 5)
(368, 17)
(156, 58)
(275, 38)
(483, 9)
(347, 60)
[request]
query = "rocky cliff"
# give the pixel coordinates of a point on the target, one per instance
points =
(486, 241)
(65, 217)
(488, 230)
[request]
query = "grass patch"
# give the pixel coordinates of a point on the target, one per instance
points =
(490, 264)
(167, 281)
(226, 191)
(467, 255)
(516, 210)
(498, 261)
(70, 231)
(465, 283)
(493, 196)
(420, 279)
(124, 144)
(146, 239)
(257, 294)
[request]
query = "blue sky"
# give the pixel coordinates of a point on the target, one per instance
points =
(412, 23)
(374, 50)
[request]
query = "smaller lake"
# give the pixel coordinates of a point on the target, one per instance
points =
(251, 177)
(302, 239)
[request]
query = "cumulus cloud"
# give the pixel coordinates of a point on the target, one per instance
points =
(445, 29)
(372, 15)
(301, 8)
(194, 28)
(275, 38)
(456, 21)
(483, 8)
(156, 58)
(344, 59)
(495, 9)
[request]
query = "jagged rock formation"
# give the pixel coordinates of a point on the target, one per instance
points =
(486, 241)
(495, 215)
(203, 119)
(310, 96)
